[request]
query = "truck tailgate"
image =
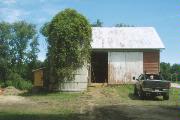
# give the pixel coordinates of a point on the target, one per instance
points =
(156, 84)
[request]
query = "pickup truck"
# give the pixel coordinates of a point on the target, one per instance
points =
(151, 85)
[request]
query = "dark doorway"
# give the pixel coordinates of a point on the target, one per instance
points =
(99, 67)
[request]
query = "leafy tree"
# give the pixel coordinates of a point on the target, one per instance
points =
(22, 34)
(69, 37)
(175, 71)
(170, 72)
(123, 25)
(175, 68)
(4, 49)
(44, 29)
(165, 69)
(18, 47)
(18, 52)
(98, 23)
(32, 62)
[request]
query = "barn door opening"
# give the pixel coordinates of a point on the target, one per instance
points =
(99, 67)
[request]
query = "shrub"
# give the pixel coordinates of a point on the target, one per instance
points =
(2, 84)
(24, 85)
(20, 84)
(15, 80)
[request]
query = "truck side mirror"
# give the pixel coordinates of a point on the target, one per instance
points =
(134, 78)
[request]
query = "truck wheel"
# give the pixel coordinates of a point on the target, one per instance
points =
(166, 96)
(142, 94)
(135, 91)
(152, 96)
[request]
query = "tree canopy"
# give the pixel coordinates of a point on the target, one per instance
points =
(123, 25)
(18, 50)
(170, 72)
(4, 49)
(98, 23)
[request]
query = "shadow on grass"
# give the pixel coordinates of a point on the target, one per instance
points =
(38, 93)
(112, 112)
(9, 116)
(134, 97)
(97, 113)
(31, 93)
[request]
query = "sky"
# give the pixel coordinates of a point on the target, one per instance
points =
(163, 15)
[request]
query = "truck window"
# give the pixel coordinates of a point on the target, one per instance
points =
(155, 77)
(141, 77)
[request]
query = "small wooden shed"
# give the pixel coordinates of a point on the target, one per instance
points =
(39, 77)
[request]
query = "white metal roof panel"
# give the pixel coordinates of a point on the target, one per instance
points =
(126, 38)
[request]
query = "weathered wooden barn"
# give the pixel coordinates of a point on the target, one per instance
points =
(118, 55)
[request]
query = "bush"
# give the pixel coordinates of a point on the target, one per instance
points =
(2, 84)
(15, 80)
(20, 84)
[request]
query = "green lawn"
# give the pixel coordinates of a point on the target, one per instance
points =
(126, 94)
(55, 106)
(50, 106)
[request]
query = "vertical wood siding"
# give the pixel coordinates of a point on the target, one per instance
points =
(123, 66)
(151, 62)
(38, 78)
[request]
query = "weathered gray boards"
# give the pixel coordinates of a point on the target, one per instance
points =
(118, 54)
(79, 84)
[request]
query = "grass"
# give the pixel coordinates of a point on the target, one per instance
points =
(67, 106)
(51, 106)
(126, 95)
(57, 96)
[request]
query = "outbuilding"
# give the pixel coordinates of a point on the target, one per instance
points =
(39, 77)
(121, 53)
(118, 55)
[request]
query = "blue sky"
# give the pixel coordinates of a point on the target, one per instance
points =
(164, 15)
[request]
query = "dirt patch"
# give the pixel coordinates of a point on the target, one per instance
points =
(11, 99)
(9, 96)
(10, 91)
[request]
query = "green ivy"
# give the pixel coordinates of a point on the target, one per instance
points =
(69, 38)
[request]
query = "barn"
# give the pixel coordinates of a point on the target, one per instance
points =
(118, 55)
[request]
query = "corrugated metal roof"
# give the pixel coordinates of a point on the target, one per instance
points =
(126, 38)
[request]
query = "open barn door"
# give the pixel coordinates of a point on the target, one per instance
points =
(99, 67)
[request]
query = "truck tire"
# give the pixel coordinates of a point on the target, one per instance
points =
(142, 94)
(152, 96)
(135, 90)
(166, 96)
